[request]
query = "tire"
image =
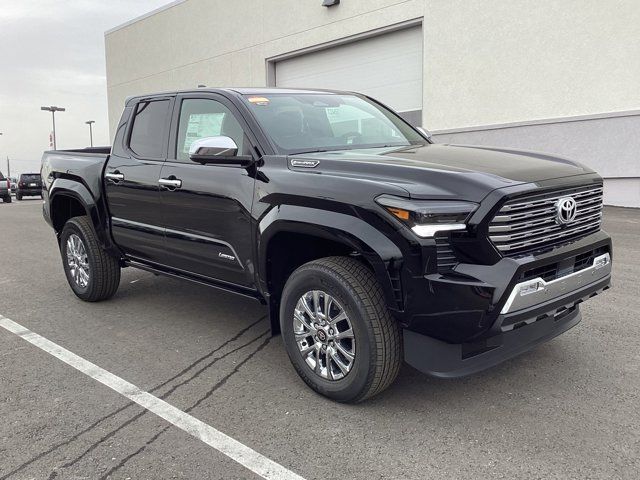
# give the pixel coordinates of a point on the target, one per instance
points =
(7, 199)
(103, 275)
(18, 196)
(378, 344)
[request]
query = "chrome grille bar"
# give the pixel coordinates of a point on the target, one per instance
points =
(521, 226)
(509, 207)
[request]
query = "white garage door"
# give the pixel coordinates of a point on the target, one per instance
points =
(388, 67)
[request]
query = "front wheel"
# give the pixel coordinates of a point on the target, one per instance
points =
(7, 199)
(92, 273)
(337, 329)
(18, 196)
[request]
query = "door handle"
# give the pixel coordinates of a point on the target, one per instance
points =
(115, 177)
(170, 183)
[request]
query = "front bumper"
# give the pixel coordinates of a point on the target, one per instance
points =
(533, 292)
(517, 332)
(492, 313)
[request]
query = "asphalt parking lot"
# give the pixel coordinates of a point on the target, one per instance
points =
(569, 409)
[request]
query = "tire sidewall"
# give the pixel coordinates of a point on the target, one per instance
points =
(355, 382)
(69, 229)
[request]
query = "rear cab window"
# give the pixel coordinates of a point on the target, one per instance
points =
(30, 177)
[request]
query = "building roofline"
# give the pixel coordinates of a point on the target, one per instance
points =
(146, 15)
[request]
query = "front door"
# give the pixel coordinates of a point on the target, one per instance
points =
(131, 181)
(207, 212)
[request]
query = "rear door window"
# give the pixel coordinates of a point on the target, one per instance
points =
(148, 134)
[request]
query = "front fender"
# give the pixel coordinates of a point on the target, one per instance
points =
(381, 253)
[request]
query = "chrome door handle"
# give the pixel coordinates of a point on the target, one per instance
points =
(114, 177)
(170, 183)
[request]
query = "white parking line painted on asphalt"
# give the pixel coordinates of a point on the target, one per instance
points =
(230, 447)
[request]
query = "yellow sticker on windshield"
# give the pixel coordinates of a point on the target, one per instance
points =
(259, 100)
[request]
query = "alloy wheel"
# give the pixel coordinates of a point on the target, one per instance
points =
(324, 335)
(78, 261)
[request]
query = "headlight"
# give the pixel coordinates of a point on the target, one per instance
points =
(427, 217)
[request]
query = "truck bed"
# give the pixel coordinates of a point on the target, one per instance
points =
(84, 164)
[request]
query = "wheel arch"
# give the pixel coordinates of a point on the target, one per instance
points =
(290, 236)
(68, 199)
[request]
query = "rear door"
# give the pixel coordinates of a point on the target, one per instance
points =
(208, 217)
(131, 179)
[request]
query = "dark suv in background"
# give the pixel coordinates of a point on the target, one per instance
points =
(29, 185)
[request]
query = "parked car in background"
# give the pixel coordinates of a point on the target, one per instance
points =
(367, 241)
(5, 189)
(14, 184)
(29, 185)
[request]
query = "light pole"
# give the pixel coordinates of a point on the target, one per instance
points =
(53, 111)
(89, 122)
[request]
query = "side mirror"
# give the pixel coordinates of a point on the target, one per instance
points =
(426, 133)
(219, 150)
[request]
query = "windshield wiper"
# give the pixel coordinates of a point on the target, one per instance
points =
(357, 147)
(316, 150)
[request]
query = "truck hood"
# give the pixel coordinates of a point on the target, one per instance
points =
(446, 171)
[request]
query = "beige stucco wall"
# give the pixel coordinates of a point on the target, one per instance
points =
(486, 61)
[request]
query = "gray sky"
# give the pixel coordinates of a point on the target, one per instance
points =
(52, 53)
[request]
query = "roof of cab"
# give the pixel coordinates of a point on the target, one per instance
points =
(241, 91)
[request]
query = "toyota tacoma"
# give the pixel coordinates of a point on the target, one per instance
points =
(368, 243)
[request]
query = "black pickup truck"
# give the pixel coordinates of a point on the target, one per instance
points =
(369, 243)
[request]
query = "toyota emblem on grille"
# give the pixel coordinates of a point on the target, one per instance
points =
(566, 210)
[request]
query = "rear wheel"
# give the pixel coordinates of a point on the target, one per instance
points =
(7, 199)
(18, 196)
(92, 273)
(337, 329)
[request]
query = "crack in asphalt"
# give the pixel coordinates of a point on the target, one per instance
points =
(163, 396)
(130, 404)
(137, 452)
(207, 395)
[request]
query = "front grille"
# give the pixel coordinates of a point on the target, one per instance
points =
(526, 224)
(567, 266)
(546, 272)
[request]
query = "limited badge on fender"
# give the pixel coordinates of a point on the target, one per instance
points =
(305, 163)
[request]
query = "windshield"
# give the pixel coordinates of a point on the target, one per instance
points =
(309, 122)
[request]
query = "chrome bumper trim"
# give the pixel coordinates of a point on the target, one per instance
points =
(532, 292)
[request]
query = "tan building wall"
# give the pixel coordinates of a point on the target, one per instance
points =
(485, 61)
